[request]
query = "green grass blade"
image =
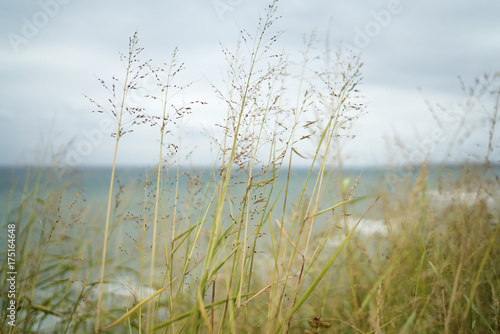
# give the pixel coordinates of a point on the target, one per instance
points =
(320, 276)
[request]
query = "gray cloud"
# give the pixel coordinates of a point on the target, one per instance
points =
(51, 51)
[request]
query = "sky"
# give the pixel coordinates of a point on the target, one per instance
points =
(53, 51)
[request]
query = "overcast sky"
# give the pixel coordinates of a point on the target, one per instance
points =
(52, 50)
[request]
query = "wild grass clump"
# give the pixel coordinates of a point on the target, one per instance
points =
(247, 246)
(434, 275)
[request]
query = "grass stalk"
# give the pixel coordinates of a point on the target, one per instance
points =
(132, 47)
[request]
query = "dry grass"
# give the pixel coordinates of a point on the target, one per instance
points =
(248, 247)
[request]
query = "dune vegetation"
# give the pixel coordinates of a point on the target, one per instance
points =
(244, 245)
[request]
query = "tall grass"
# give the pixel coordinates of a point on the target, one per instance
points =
(250, 247)
(131, 74)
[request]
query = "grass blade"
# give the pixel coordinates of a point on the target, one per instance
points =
(327, 266)
(135, 308)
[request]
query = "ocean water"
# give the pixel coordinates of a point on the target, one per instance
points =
(192, 188)
(91, 184)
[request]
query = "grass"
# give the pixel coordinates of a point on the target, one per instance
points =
(248, 247)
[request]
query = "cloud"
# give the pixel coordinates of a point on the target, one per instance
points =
(66, 44)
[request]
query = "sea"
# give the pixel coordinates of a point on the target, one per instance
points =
(190, 189)
(135, 185)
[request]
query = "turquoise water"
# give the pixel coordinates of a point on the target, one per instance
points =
(92, 184)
